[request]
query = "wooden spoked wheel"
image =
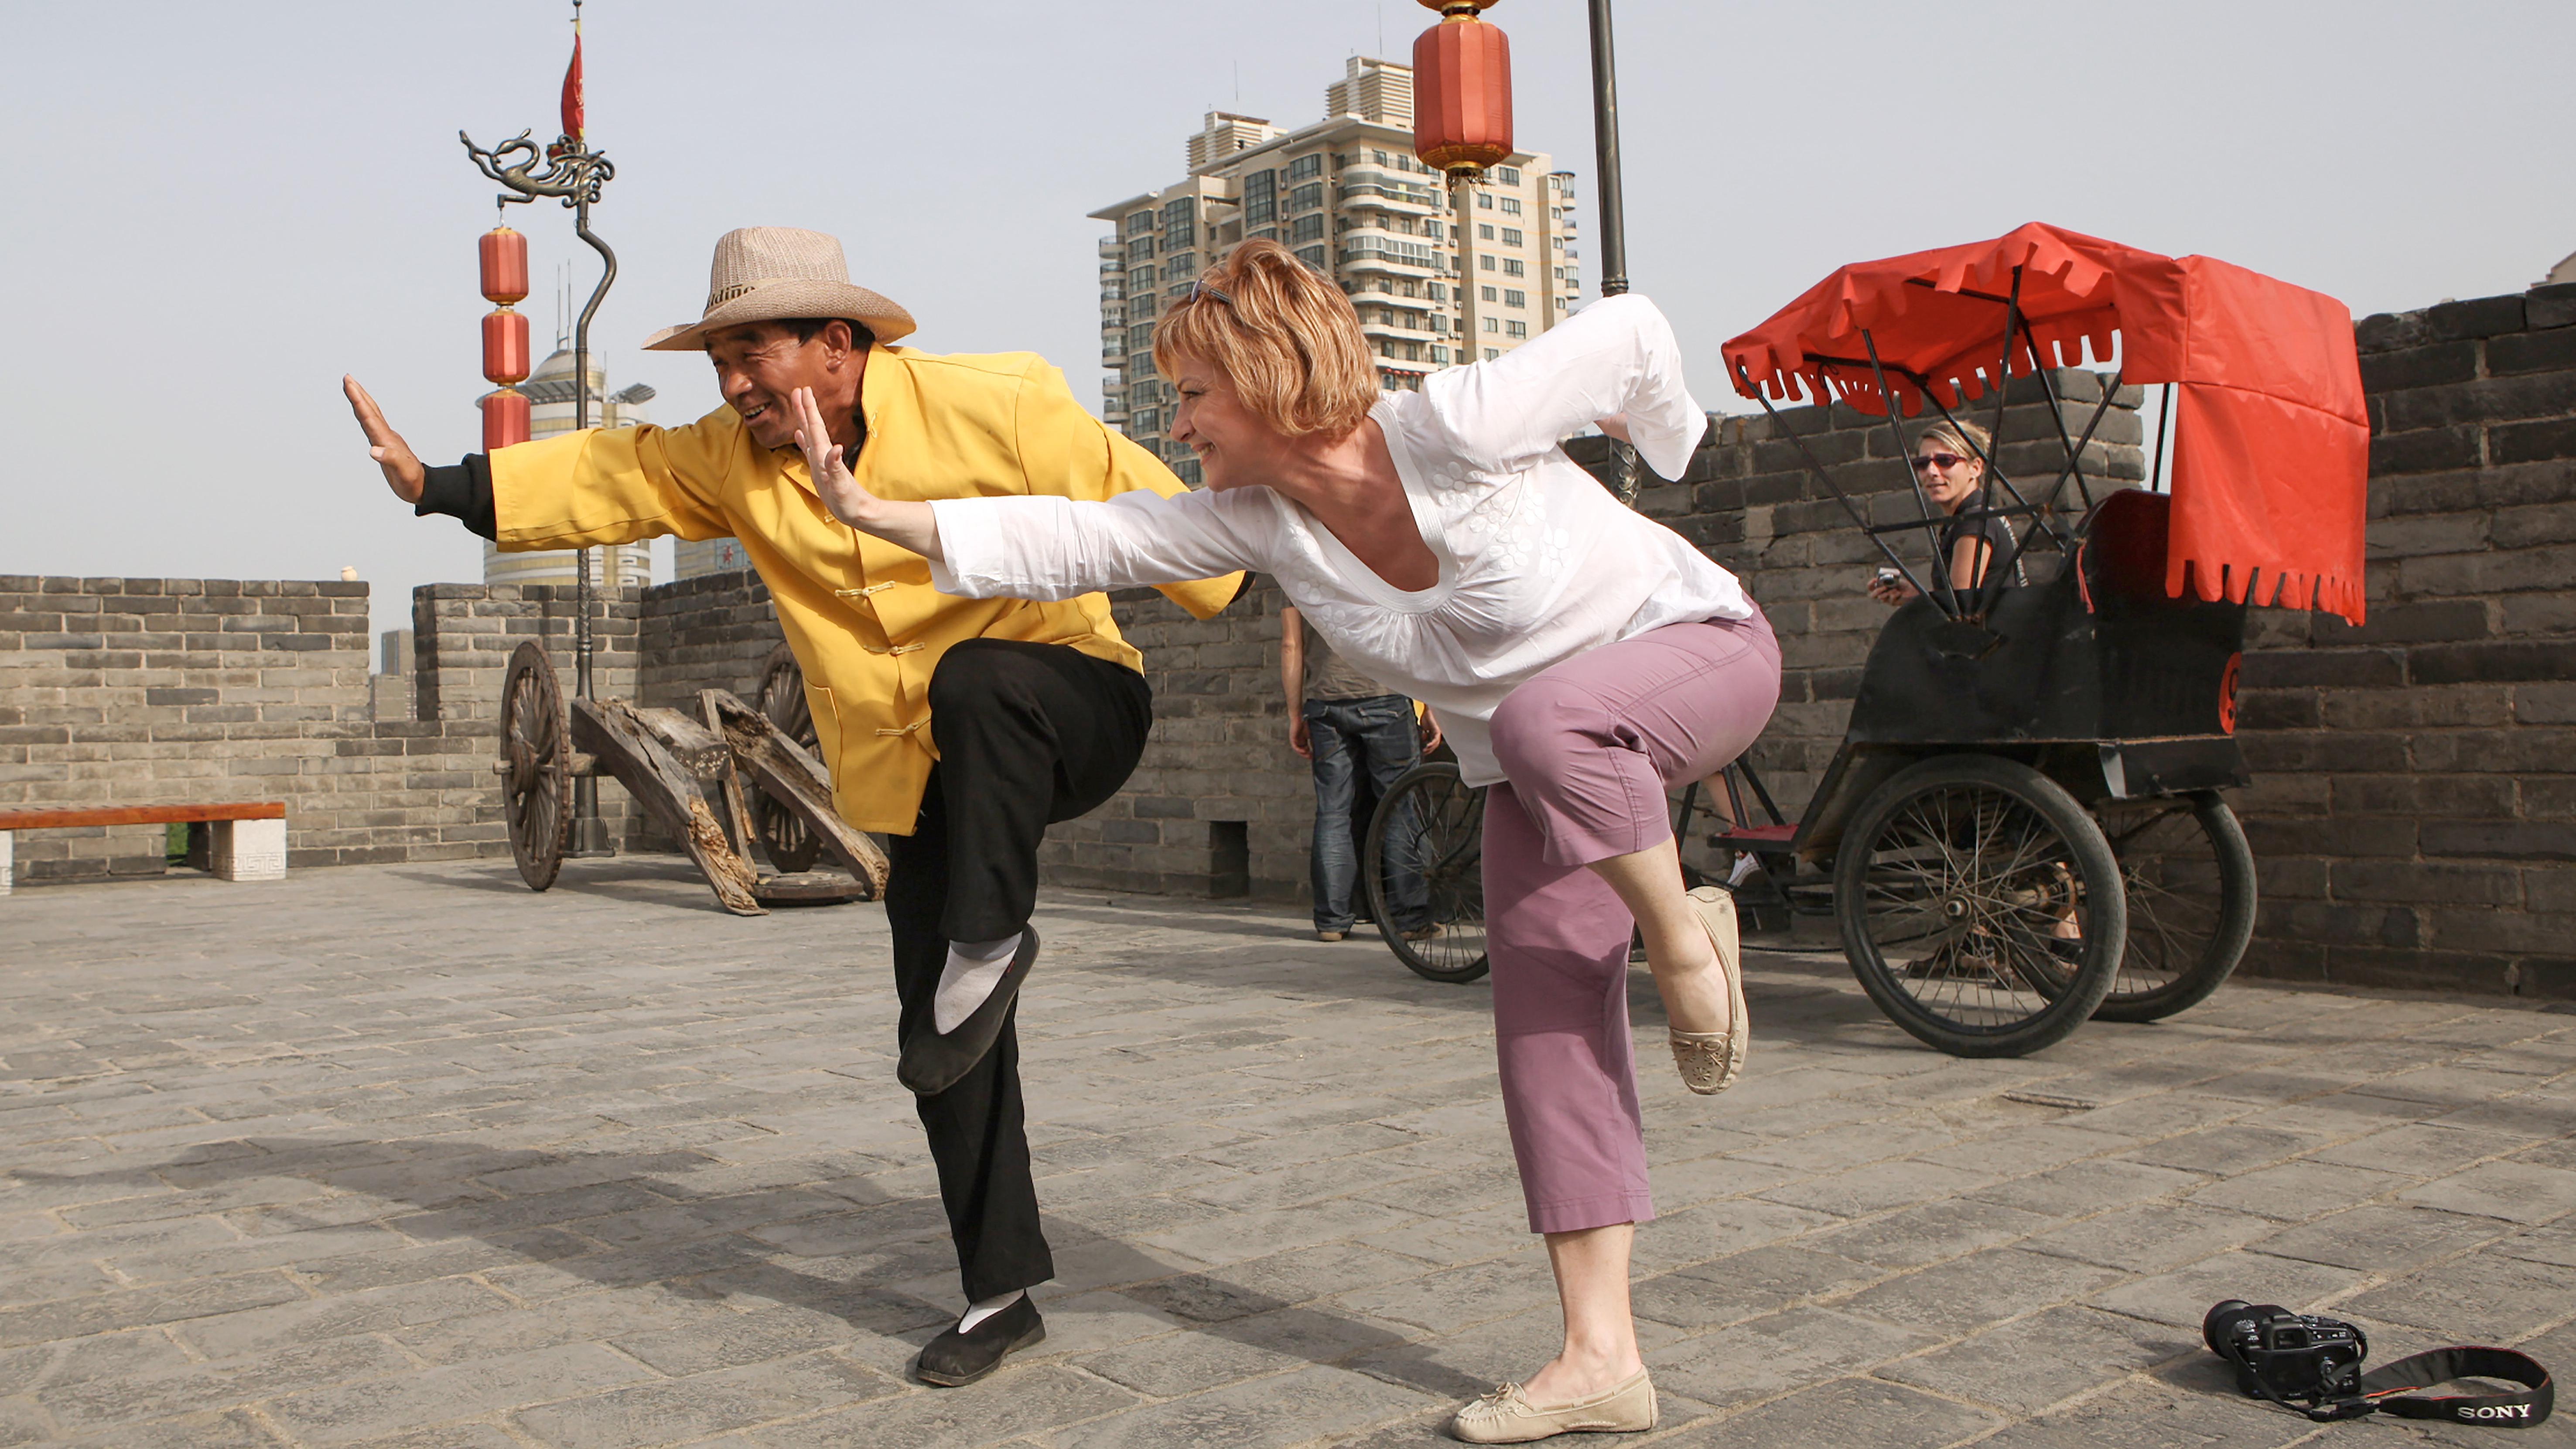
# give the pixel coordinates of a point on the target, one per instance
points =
(790, 846)
(536, 760)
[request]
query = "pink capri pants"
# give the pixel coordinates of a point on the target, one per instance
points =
(1587, 750)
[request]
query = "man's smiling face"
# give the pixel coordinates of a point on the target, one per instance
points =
(759, 365)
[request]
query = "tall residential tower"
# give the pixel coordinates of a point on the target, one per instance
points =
(1347, 196)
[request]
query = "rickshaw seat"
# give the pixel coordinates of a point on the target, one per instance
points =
(2124, 547)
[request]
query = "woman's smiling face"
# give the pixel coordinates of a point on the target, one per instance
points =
(1948, 479)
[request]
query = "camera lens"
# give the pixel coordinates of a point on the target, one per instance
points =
(2224, 1321)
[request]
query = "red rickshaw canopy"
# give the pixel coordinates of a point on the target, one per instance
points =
(2271, 441)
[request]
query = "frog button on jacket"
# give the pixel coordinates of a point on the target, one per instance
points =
(859, 612)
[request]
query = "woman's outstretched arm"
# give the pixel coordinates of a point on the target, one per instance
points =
(1030, 546)
(905, 525)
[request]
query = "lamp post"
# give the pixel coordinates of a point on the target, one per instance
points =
(573, 174)
(1612, 236)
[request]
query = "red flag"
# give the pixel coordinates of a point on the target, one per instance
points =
(572, 92)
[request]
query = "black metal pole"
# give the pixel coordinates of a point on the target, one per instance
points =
(1613, 242)
(589, 832)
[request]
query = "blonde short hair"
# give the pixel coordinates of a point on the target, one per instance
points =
(1285, 338)
(1961, 437)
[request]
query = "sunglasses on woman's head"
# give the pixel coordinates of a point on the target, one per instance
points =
(1942, 461)
(1202, 289)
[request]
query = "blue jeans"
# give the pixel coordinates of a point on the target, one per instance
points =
(1350, 735)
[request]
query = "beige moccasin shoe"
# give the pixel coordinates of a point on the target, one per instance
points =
(1710, 1061)
(1506, 1416)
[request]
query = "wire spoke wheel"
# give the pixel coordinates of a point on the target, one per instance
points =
(1980, 906)
(536, 758)
(2189, 879)
(790, 846)
(1424, 869)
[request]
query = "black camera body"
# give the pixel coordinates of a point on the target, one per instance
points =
(2294, 1355)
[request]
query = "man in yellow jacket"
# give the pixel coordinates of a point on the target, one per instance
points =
(959, 727)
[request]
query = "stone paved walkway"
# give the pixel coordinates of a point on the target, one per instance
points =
(408, 1156)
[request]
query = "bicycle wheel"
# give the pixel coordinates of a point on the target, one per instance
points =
(1980, 906)
(2189, 879)
(1424, 869)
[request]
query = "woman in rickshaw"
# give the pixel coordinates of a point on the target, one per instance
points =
(1950, 466)
(1582, 657)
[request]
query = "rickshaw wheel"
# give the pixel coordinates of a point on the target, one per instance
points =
(2188, 878)
(783, 837)
(536, 762)
(1980, 906)
(1432, 824)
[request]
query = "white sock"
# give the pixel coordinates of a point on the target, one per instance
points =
(978, 1312)
(974, 968)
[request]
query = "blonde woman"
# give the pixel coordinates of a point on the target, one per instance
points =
(1950, 466)
(1581, 657)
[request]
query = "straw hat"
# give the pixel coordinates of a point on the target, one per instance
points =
(770, 273)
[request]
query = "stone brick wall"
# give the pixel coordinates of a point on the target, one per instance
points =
(159, 691)
(710, 632)
(464, 634)
(1218, 805)
(2414, 810)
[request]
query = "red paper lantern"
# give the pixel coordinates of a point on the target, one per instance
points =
(505, 346)
(1462, 91)
(505, 418)
(505, 266)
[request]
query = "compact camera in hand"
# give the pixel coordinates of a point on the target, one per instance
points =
(2295, 1355)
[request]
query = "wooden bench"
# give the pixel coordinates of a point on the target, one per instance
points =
(247, 841)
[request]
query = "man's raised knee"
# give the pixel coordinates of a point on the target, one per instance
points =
(971, 671)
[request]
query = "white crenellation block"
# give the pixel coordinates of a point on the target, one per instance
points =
(249, 849)
(8, 859)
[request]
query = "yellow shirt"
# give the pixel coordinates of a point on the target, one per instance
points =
(859, 612)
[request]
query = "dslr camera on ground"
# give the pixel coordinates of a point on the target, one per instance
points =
(2295, 1355)
(2313, 1364)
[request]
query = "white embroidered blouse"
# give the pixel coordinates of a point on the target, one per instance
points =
(1538, 562)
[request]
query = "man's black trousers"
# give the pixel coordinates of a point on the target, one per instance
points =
(1028, 734)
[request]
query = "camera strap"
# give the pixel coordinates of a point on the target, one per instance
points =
(2441, 1365)
(2380, 1386)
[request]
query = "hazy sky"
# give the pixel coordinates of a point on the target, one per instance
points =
(215, 210)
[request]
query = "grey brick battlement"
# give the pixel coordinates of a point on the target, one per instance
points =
(2414, 809)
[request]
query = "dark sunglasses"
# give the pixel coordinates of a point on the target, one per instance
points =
(1942, 461)
(1202, 289)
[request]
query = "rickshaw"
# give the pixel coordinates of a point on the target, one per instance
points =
(2023, 827)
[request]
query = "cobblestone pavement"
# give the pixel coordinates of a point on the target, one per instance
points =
(405, 1155)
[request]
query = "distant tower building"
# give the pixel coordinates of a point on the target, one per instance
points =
(692, 557)
(550, 411)
(1347, 196)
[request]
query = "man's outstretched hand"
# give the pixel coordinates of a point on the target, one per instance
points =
(403, 472)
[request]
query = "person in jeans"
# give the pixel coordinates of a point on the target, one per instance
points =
(1345, 723)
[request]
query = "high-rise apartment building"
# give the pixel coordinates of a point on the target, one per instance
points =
(1348, 197)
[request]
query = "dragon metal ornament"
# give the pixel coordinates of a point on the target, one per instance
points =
(571, 172)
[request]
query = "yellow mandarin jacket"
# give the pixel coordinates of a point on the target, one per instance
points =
(859, 612)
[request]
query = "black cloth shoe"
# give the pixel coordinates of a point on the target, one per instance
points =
(954, 1359)
(935, 1061)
